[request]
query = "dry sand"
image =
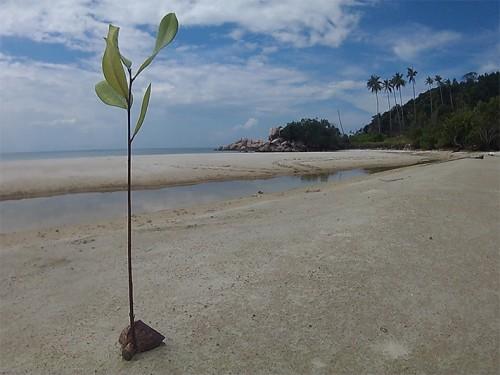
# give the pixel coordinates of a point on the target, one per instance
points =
(394, 273)
(37, 178)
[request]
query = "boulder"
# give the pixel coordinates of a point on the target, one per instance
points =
(275, 144)
(274, 133)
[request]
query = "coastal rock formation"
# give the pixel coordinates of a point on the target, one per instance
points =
(274, 144)
(250, 145)
(274, 133)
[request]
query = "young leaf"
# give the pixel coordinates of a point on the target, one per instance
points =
(111, 64)
(114, 33)
(144, 108)
(109, 96)
(166, 33)
(145, 64)
(126, 61)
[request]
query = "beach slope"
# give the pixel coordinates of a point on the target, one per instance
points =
(395, 273)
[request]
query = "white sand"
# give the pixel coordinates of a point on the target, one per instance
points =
(36, 178)
(394, 273)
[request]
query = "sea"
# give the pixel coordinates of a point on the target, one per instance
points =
(104, 152)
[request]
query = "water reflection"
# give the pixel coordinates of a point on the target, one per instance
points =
(333, 176)
(54, 211)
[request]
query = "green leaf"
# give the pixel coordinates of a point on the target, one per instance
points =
(126, 61)
(114, 34)
(109, 96)
(111, 63)
(144, 108)
(166, 33)
(145, 64)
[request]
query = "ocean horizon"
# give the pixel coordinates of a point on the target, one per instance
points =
(36, 155)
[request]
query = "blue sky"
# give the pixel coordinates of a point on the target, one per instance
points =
(236, 68)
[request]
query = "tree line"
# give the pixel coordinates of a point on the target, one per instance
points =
(314, 134)
(450, 114)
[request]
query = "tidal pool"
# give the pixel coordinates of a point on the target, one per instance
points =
(35, 213)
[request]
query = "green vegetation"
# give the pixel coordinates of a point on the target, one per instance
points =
(116, 90)
(375, 140)
(314, 134)
(451, 114)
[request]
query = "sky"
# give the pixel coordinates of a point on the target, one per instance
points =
(235, 69)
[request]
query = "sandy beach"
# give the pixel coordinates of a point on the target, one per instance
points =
(393, 273)
(38, 178)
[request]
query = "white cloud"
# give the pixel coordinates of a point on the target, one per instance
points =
(236, 34)
(79, 23)
(414, 40)
(269, 49)
(351, 70)
(255, 85)
(489, 67)
(489, 60)
(57, 121)
(52, 106)
(38, 98)
(249, 124)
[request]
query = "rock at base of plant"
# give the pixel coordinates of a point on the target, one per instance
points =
(146, 338)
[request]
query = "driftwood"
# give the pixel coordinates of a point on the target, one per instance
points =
(146, 338)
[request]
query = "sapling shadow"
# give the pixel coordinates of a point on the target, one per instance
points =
(116, 90)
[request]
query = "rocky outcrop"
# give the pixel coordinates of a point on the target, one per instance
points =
(243, 144)
(274, 144)
(274, 133)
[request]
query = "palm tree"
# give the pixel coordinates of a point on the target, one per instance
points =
(411, 74)
(448, 83)
(374, 85)
(439, 81)
(396, 102)
(387, 85)
(399, 82)
(429, 81)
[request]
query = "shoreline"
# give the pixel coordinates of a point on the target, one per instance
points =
(59, 210)
(23, 179)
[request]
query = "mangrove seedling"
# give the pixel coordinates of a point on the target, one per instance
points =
(116, 90)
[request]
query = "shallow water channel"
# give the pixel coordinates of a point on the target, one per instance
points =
(35, 213)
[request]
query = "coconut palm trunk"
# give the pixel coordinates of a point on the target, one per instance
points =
(414, 105)
(397, 110)
(402, 110)
(378, 114)
(451, 100)
(429, 81)
(390, 113)
(411, 74)
(439, 81)
(398, 82)
(374, 85)
(430, 96)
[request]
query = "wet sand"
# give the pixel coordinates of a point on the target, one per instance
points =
(393, 273)
(38, 178)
